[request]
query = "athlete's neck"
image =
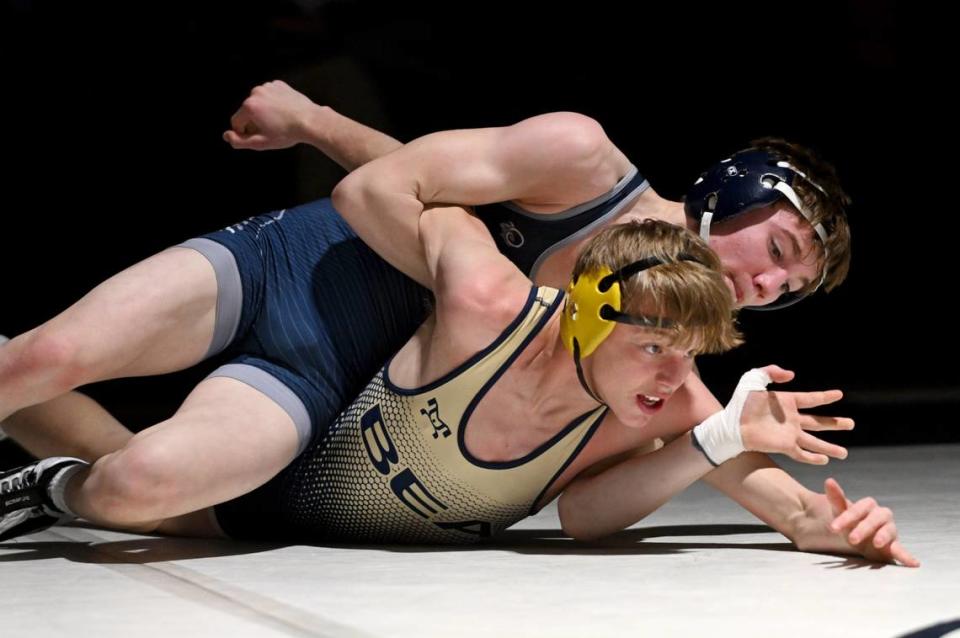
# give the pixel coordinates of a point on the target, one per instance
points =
(649, 205)
(553, 389)
(556, 269)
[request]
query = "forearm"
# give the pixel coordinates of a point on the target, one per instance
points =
(627, 492)
(386, 219)
(758, 484)
(347, 142)
(751, 479)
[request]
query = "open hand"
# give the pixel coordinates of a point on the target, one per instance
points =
(771, 422)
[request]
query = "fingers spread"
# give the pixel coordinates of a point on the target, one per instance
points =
(822, 423)
(799, 454)
(812, 443)
(813, 399)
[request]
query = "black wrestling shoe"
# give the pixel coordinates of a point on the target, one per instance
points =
(25, 505)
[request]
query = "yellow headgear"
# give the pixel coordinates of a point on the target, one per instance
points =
(581, 320)
(592, 307)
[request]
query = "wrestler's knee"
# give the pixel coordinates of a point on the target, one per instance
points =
(137, 483)
(45, 353)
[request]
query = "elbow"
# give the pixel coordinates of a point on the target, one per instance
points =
(584, 537)
(574, 522)
(347, 191)
(357, 199)
(370, 189)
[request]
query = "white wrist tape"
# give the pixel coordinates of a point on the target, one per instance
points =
(719, 436)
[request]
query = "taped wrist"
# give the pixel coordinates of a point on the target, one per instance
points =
(718, 437)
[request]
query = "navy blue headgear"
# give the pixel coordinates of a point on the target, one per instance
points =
(749, 179)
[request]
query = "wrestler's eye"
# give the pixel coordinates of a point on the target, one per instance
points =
(652, 348)
(775, 251)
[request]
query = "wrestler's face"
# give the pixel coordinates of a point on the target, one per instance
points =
(766, 252)
(636, 371)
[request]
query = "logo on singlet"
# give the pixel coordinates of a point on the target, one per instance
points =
(405, 485)
(380, 447)
(511, 235)
(258, 222)
(439, 427)
(415, 495)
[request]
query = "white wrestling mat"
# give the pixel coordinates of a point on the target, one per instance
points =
(699, 567)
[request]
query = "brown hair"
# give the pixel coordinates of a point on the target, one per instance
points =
(691, 293)
(827, 207)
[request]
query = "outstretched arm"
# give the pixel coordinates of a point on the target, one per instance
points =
(806, 517)
(812, 521)
(594, 506)
(277, 116)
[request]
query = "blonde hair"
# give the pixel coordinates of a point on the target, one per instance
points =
(828, 207)
(692, 294)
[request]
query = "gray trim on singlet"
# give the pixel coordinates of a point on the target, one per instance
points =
(589, 228)
(229, 291)
(275, 389)
(579, 208)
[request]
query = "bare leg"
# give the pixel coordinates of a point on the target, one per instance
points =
(226, 440)
(70, 425)
(155, 317)
(80, 427)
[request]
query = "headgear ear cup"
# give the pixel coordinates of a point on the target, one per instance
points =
(581, 319)
(592, 310)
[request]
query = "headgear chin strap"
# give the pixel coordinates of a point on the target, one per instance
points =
(593, 308)
(749, 179)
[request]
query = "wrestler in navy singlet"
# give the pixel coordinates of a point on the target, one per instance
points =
(527, 239)
(311, 313)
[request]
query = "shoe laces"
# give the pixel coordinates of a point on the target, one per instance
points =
(18, 481)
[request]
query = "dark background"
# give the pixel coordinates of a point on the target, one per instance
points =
(113, 115)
